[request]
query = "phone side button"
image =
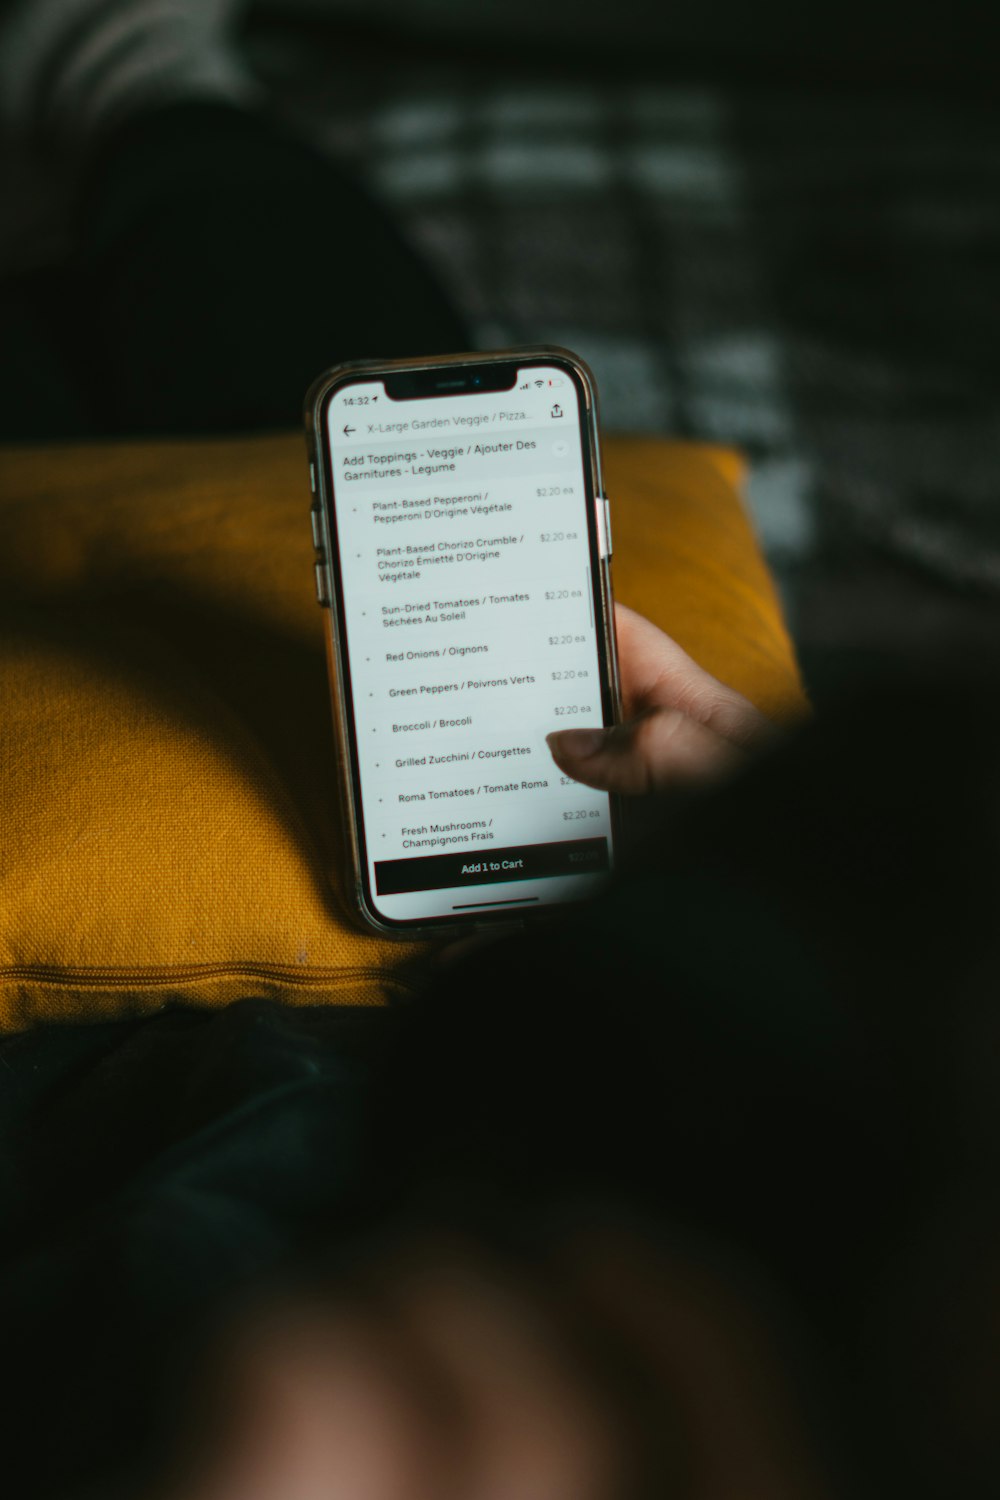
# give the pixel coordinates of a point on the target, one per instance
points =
(607, 527)
(312, 477)
(316, 529)
(322, 594)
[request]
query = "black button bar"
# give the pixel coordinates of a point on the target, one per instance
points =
(439, 872)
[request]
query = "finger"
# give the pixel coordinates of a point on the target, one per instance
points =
(662, 747)
(656, 673)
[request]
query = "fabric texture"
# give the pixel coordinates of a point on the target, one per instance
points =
(170, 801)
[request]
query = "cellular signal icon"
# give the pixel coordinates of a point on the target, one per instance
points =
(526, 386)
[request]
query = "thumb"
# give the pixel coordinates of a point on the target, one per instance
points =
(660, 748)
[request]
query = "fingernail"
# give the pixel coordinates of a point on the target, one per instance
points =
(577, 742)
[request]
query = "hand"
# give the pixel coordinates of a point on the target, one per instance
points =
(681, 724)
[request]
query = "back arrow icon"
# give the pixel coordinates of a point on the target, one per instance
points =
(349, 430)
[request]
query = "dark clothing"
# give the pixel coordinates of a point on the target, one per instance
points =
(157, 1176)
(220, 266)
(775, 1037)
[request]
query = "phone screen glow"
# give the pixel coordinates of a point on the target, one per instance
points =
(464, 542)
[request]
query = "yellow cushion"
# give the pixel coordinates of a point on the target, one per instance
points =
(170, 827)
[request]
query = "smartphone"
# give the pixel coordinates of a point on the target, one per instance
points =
(462, 541)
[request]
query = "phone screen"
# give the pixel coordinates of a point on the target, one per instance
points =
(465, 553)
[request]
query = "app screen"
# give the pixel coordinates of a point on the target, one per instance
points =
(465, 568)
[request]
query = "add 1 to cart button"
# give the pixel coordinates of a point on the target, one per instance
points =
(438, 872)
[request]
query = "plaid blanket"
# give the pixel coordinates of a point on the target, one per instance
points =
(808, 277)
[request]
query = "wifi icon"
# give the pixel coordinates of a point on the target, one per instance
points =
(539, 382)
